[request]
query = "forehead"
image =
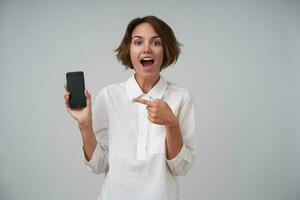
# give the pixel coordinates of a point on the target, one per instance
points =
(145, 30)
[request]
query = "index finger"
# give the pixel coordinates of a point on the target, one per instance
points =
(143, 101)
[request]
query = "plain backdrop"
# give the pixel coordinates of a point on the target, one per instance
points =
(240, 60)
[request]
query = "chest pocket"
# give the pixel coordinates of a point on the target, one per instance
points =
(157, 138)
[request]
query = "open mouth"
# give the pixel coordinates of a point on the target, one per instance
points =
(147, 61)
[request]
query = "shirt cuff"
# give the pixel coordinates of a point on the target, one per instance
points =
(182, 155)
(93, 162)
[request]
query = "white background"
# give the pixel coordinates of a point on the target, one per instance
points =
(240, 60)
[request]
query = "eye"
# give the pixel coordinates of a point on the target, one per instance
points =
(157, 43)
(137, 42)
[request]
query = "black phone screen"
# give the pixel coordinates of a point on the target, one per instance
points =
(75, 85)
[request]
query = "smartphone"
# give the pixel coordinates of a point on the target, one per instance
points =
(75, 85)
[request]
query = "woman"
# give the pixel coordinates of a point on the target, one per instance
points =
(140, 132)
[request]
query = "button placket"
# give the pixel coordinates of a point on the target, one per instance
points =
(142, 140)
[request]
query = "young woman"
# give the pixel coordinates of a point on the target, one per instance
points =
(140, 133)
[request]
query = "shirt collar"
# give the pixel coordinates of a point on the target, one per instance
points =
(133, 89)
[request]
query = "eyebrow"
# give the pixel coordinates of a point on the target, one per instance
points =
(137, 36)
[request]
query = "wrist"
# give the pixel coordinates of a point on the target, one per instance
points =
(172, 123)
(85, 127)
(85, 122)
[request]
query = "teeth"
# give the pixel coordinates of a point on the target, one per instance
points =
(147, 58)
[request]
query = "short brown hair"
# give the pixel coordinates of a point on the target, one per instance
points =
(170, 44)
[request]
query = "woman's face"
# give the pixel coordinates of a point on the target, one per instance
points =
(146, 51)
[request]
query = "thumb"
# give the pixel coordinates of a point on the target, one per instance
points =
(88, 97)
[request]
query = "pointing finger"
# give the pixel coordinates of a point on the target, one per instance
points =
(143, 101)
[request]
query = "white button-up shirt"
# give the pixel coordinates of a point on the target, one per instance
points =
(131, 150)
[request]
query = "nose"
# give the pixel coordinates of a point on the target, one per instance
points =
(147, 47)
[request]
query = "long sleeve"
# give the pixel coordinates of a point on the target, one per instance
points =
(99, 161)
(181, 164)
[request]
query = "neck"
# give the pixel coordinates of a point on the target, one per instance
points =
(146, 84)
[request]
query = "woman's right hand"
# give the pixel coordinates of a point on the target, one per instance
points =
(82, 115)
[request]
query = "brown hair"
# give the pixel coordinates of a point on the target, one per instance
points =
(170, 44)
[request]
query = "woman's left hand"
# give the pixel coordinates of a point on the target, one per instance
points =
(159, 112)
